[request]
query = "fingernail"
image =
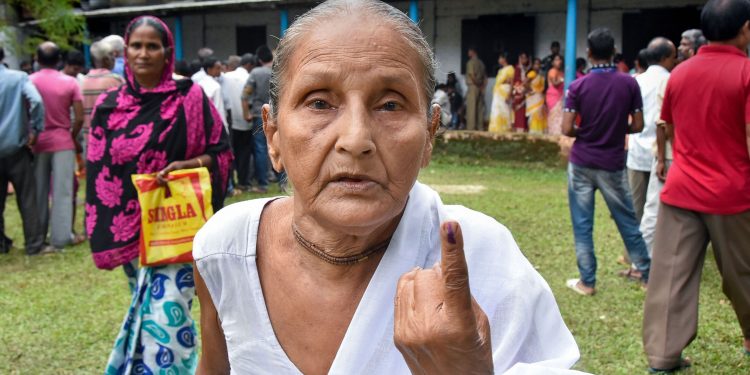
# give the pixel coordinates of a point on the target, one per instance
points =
(451, 233)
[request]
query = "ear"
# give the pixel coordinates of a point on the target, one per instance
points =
(431, 132)
(271, 129)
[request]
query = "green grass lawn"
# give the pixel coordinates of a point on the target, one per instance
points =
(60, 315)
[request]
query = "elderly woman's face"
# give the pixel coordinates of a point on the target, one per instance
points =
(352, 130)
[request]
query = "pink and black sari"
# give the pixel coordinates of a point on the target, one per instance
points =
(138, 130)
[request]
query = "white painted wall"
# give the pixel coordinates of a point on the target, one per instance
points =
(440, 20)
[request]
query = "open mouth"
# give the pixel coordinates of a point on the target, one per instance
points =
(351, 179)
(353, 182)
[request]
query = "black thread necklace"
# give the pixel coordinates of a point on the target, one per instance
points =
(332, 259)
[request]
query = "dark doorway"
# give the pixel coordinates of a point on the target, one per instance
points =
(101, 27)
(249, 38)
(639, 28)
(494, 34)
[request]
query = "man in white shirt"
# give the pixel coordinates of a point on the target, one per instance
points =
(203, 54)
(662, 58)
(212, 88)
(242, 136)
(691, 41)
(441, 98)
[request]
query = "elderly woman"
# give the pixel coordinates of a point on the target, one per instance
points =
(151, 124)
(363, 270)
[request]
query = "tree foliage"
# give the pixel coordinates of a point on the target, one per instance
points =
(53, 20)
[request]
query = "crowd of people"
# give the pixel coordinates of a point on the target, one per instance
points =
(681, 182)
(58, 96)
(136, 111)
(672, 163)
(527, 92)
(526, 96)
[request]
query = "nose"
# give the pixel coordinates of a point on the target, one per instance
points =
(355, 131)
(141, 52)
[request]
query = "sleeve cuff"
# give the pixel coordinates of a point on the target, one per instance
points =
(638, 110)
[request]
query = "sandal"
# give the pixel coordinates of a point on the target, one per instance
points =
(632, 274)
(574, 285)
(684, 363)
(77, 239)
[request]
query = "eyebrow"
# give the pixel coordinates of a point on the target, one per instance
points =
(393, 76)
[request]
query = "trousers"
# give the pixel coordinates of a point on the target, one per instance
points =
(243, 145)
(57, 168)
(474, 109)
(670, 316)
(18, 170)
(651, 208)
(582, 185)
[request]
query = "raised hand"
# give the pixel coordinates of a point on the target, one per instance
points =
(439, 328)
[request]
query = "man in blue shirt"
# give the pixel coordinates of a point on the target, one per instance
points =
(20, 106)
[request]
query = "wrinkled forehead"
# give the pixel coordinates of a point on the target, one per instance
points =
(355, 43)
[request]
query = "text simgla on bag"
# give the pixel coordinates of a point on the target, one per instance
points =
(171, 215)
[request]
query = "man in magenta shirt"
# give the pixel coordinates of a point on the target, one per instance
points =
(56, 146)
(706, 197)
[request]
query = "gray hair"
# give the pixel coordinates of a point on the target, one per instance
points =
(383, 12)
(696, 38)
(101, 50)
(117, 43)
(233, 62)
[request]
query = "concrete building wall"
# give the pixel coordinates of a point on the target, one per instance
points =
(218, 30)
(440, 20)
(550, 22)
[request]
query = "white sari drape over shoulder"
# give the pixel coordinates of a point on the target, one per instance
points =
(528, 333)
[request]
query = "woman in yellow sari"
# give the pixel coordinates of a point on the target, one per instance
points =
(535, 110)
(501, 115)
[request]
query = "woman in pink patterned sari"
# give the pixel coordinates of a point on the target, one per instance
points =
(151, 124)
(555, 95)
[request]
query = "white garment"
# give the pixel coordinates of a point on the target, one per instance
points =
(441, 98)
(212, 88)
(232, 86)
(528, 333)
(199, 76)
(651, 208)
(653, 83)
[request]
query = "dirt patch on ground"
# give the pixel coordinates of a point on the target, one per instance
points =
(459, 189)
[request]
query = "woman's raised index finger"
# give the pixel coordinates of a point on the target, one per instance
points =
(454, 268)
